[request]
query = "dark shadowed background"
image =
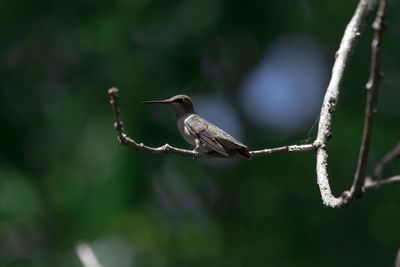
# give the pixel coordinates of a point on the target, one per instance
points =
(256, 68)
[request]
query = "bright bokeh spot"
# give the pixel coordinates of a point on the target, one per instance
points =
(284, 92)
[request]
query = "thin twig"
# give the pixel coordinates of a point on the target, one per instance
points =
(371, 184)
(350, 37)
(124, 139)
(393, 155)
(372, 96)
(292, 148)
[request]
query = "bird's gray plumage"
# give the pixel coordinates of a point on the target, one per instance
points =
(211, 136)
(200, 132)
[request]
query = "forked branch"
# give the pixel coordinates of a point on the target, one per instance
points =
(361, 182)
(350, 36)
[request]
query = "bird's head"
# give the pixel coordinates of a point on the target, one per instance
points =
(182, 104)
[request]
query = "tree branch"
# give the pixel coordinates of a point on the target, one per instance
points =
(124, 139)
(292, 148)
(361, 182)
(372, 96)
(350, 37)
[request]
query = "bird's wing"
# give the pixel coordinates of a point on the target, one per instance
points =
(200, 129)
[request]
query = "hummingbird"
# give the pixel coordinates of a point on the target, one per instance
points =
(200, 132)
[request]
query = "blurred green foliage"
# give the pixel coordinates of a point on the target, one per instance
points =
(64, 178)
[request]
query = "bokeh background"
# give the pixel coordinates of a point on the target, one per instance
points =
(256, 68)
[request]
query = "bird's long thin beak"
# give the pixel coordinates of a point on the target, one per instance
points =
(166, 101)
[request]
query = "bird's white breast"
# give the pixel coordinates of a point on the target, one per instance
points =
(184, 130)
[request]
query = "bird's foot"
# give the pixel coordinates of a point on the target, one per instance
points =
(196, 149)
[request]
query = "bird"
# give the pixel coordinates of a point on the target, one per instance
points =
(201, 133)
